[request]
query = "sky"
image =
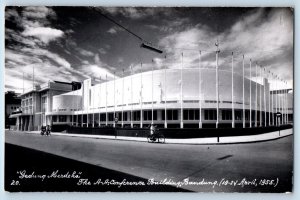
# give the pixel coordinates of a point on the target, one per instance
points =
(76, 43)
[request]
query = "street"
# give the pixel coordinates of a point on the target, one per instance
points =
(251, 167)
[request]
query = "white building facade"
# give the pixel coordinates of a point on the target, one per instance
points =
(173, 98)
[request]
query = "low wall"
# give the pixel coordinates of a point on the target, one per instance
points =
(176, 133)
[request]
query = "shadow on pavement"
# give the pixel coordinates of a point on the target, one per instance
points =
(38, 163)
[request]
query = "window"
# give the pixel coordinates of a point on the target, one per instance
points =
(111, 117)
(136, 115)
(62, 118)
(103, 117)
(210, 114)
(148, 115)
(171, 115)
(238, 114)
(226, 115)
(191, 114)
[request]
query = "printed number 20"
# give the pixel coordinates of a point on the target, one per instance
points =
(13, 182)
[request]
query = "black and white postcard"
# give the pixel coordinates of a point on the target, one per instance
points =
(149, 99)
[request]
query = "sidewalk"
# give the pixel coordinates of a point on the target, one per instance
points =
(212, 140)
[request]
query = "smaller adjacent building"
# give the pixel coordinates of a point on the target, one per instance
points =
(12, 105)
(36, 102)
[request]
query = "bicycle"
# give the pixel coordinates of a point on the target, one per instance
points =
(156, 137)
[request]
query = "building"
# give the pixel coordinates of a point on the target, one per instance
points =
(37, 102)
(12, 105)
(160, 97)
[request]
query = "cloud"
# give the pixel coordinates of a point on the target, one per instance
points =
(112, 30)
(36, 12)
(138, 12)
(266, 38)
(45, 34)
(85, 52)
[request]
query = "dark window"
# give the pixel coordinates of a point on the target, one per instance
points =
(62, 118)
(136, 115)
(111, 117)
(102, 117)
(238, 114)
(210, 114)
(226, 115)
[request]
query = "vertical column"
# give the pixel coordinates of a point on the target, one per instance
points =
(166, 124)
(217, 84)
(276, 100)
(200, 91)
(99, 97)
(152, 94)
(256, 95)
(106, 100)
(232, 92)
(114, 123)
(141, 95)
(181, 99)
(250, 95)
(244, 117)
(93, 109)
(273, 121)
(123, 99)
(265, 105)
(260, 98)
(268, 73)
(131, 116)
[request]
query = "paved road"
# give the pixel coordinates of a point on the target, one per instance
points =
(200, 164)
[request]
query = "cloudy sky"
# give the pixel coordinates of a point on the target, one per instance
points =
(76, 43)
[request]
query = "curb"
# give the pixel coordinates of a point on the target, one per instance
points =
(212, 140)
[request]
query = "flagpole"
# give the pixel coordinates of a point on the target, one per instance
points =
(123, 100)
(287, 111)
(273, 121)
(276, 100)
(265, 105)
(181, 99)
(232, 99)
(250, 95)
(106, 101)
(244, 117)
(141, 95)
(200, 91)
(114, 123)
(260, 99)
(152, 95)
(256, 94)
(217, 83)
(269, 99)
(166, 125)
(93, 108)
(131, 116)
(99, 97)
